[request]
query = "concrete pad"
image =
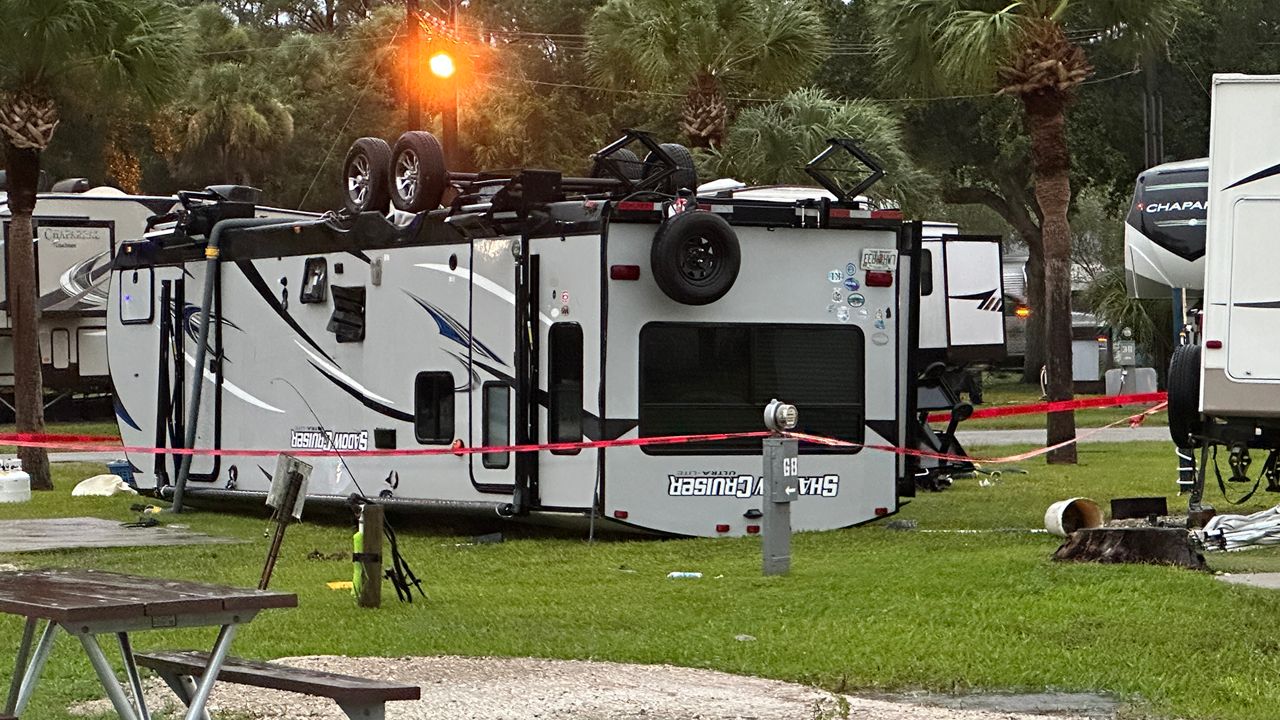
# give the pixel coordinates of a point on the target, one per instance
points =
(85, 532)
(1270, 581)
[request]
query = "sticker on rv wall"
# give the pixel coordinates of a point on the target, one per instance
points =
(879, 259)
(718, 483)
(315, 438)
(856, 300)
(835, 276)
(850, 269)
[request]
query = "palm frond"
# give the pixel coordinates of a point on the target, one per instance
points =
(975, 43)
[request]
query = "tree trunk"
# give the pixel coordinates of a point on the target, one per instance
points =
(705, 114)
(1034, 356)
(1152, 545)
(1046, 123)
(28, 386)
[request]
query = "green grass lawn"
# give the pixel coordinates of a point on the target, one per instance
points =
(869, 608)
(1000, 389)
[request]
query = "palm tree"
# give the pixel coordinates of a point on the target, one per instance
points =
(704, 49)
(768, 144)
(1021, 49)
(49, 47)
(236, 124)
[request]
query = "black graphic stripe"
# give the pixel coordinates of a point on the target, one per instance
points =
(1264, 305)
(255, 279)
(368, 402)
(1260, 175)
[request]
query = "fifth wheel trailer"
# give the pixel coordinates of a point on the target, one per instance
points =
(77, 230)
(535, 309)
(1225, 390)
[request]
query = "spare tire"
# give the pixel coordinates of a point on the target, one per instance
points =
(695, 257)
(1184, 396)
(686, 174)
(364, 175)
(418, 177)
(626, 161)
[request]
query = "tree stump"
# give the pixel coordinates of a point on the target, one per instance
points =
(1155, 546)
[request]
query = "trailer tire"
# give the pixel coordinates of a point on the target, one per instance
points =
(417, 175)
(627, 162)
(695, 257)
(686, 174)
(1184, 395)
(365, 173)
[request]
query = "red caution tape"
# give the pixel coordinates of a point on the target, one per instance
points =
(1059, 406)
(104, 443)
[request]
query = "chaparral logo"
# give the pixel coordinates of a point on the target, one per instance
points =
(321, 439)
(1201, 205)
(730, 484)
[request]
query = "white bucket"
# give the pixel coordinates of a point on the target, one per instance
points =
(1067, 516)
(15, 485)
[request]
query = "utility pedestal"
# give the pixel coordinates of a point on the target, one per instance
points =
(781, 456)
(781, 486)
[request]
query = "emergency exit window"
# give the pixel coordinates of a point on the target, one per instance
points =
(497, 424)
(433, 408)
(700, 378)
(565, 385)
(926, 273)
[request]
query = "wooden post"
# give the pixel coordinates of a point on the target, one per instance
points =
(369, 557)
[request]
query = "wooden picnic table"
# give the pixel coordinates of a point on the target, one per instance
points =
(89, 603)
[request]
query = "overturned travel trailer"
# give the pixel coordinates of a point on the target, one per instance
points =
(77, 229)
(1224, 390)
(532, 308)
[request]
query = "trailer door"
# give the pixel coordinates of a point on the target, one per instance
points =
(975, 297)
(1255, 302)
(567, 292)
(492, 321)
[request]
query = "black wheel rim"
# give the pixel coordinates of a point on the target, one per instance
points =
(700, 259)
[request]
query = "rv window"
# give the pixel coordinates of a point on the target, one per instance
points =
(565, 385)
(433, 407)
(315, 280)
(497, 423)
(136, 296)
(697, 378)
(926, 273)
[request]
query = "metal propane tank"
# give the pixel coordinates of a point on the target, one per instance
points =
(15, 484)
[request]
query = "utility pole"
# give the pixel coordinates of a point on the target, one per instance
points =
(413, 35)
(449, 115)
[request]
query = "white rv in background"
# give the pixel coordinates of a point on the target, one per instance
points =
(1165, 229)
(76, 234)
(1226, 389)
(77, 230)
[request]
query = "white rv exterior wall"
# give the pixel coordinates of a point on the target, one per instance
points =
(1242, 292)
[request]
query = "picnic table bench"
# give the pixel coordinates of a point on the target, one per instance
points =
(360, 698)
(88, 604)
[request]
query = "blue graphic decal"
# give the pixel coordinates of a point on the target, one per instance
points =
(453, 330)
(123, 414)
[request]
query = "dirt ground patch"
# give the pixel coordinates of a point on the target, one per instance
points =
(470, 688)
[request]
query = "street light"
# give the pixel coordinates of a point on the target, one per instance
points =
(441, 65)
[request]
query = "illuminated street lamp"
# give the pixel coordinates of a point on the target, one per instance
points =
(441, 65)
